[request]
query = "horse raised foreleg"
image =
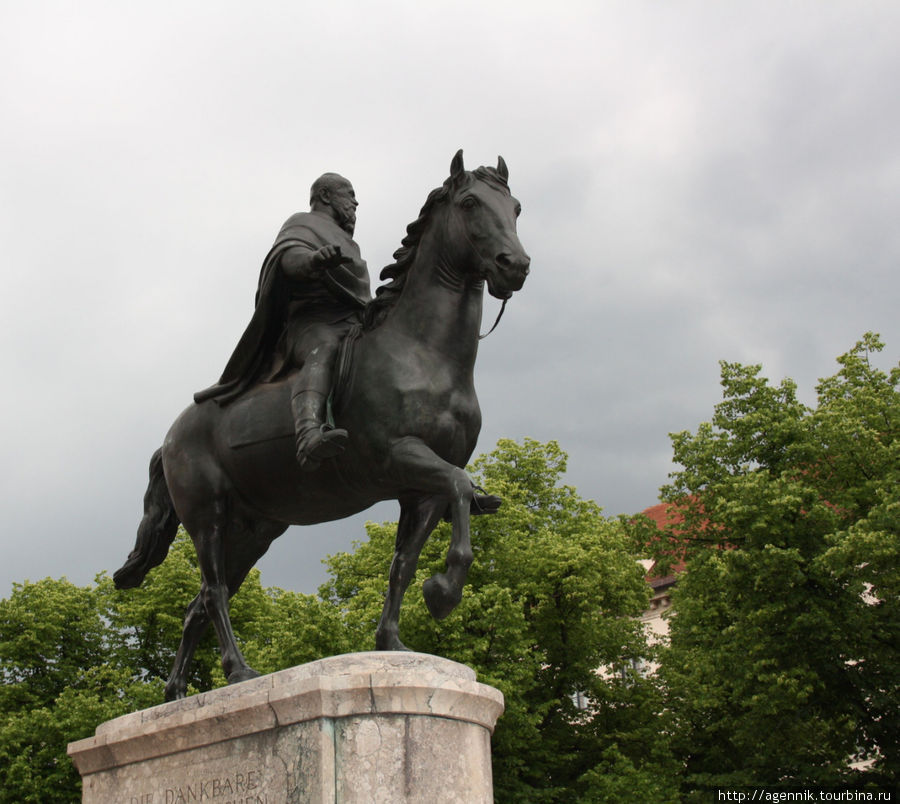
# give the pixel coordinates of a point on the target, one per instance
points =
(418, 518)
(443, 591)
(415, 463)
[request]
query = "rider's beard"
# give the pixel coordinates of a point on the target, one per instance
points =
(347, 221)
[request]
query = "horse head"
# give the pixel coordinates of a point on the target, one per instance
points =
(468, 226)
(483, 219)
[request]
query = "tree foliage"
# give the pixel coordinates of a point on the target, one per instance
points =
(783, 664)
(59, 682)
(551, 598)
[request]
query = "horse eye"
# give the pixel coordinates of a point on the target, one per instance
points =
(469, 202)
(518, 210)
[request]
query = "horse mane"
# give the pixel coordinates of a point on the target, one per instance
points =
(394, 275)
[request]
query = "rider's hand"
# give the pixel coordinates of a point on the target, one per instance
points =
(325, 258)
(302, 265)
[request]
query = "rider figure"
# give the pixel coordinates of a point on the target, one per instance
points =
(312, 288)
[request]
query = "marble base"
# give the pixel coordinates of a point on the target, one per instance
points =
(363, 727)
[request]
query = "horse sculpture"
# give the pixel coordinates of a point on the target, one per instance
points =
(407, 398)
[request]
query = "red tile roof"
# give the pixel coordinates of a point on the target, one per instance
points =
(663, 514)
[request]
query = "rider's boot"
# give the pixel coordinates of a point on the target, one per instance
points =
(316, 441)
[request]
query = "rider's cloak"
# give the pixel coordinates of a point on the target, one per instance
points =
(344, 292)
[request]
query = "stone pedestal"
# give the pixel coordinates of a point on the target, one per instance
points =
(363, 727)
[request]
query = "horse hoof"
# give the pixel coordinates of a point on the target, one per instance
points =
(245, 674)
(485, 504)
(389, 642)
(174, 694)
(439, 597)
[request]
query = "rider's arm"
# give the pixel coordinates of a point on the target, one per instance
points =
(297, 264)
(302, 264)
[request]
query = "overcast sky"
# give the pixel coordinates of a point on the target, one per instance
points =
(699, 181)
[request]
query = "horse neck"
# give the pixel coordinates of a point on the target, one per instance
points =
(439, 308)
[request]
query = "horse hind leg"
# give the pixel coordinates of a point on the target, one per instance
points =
(209, 542)
(196, 621)
(239, 562)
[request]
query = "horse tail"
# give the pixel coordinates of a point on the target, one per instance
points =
(155, 533)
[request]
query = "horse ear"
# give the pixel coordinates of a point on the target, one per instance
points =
(502, 169)
(456, 166)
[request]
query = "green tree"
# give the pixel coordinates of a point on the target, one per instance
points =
(145, 624)
(58, 684)
(552, 597)
(72, 657)
(49, 631)
(783, 662)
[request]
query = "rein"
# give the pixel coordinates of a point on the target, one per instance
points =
(497, 321)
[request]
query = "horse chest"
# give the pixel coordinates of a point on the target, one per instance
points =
(405, 387)
(443, 410)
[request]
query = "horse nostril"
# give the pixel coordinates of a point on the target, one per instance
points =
(513, 263)
(506, 260)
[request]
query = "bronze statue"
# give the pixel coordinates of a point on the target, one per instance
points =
(403, 398)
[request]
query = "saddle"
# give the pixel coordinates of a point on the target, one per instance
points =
(263, 412)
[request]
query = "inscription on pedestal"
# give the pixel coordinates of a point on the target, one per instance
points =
(241, 787)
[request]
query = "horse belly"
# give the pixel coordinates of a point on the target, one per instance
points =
(256, 451)
(270, 481)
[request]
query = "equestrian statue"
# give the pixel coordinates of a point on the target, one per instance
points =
(333, 401)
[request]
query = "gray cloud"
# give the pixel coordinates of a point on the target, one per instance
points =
(699, 183)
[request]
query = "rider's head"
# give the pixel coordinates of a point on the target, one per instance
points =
(333, 195)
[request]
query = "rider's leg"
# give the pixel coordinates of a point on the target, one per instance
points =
(316, 440)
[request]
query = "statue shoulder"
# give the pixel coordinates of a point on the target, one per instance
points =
(315, 231)
(306, 227)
